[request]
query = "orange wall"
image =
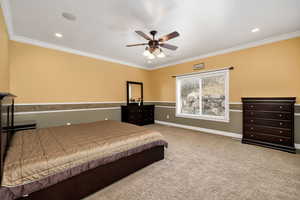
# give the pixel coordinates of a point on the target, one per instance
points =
(267, 71)
(4, 70)
(44, 75)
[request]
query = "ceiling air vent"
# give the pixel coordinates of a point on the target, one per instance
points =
(69, 16)
(198, 66)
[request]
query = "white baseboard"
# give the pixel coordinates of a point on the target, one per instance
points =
(206, 130)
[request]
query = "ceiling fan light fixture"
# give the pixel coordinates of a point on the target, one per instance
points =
(153, 45)
(146, 53)
(151, 56)
(161, 54)
(156, 51)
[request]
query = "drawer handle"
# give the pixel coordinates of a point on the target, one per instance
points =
(280, 140)
(252, 120)
(252, 128)
(252, 106)
(280, 115)
(252, 135)
(280, 107)
(280, 123)
(280, 132)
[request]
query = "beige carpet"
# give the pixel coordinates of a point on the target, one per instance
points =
(202, 166)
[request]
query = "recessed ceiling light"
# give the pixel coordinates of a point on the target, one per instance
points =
(69, 16)
(59, 35)
(255, 30)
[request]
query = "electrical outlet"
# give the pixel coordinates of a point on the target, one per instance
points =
(168, 116)
(106, 118)
(68, 124)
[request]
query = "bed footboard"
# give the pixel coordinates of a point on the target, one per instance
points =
(91, 181)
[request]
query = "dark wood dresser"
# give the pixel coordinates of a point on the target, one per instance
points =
(269, 122)
(139, 115)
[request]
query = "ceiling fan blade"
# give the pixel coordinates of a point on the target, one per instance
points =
(144, 35)
(169, 36)
(133, 45)
(168, 46)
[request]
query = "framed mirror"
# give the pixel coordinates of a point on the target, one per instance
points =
(134, 93)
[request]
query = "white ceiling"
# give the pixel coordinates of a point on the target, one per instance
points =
(104, 27)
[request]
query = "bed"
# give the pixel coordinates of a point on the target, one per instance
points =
(71, 162)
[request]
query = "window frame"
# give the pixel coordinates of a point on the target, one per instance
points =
(200, 76)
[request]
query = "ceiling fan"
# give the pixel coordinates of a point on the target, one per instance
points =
(153, 46)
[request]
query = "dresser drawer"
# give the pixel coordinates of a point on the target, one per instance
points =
(268, 130)
(148, 114)
(268, 115)
(268, 107)
(135, 119)
(267, 138)
(268, 122)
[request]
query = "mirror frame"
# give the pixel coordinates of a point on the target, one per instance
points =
(137, 83)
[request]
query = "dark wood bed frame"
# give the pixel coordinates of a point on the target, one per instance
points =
(88, 182)
(93, 180)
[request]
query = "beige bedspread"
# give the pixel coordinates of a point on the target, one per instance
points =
(36, 154)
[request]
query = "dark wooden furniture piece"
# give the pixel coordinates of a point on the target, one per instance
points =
(91, 181)
(87, 182)
(23, 125)
(6, 124)
(137, 113)
(269, 122)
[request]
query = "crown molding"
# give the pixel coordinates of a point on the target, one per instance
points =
(236, 48)
(8, 20)
(128, 64)
(72, 51)
(5, 5)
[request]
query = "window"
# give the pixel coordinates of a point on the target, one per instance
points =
(203, 96)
